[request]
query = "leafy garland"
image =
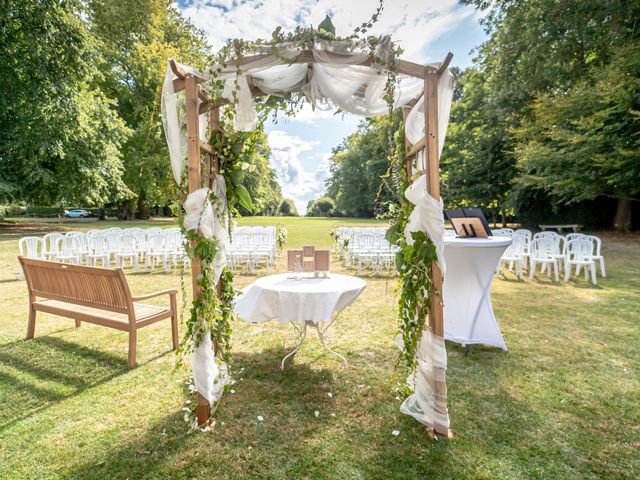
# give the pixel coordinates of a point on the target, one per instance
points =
(413, 262)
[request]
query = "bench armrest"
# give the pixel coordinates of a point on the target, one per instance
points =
(169, 292)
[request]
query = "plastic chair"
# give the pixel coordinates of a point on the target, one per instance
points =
(580, 254)
(543, 252)
(128, 250)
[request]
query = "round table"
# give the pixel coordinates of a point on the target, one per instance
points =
(468, 314)
(309, 302)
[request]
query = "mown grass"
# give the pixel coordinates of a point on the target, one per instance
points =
(562, 403)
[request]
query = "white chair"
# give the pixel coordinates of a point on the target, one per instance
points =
(597, 254)
(67, 247)
(98, 251)
(514, 255)
(50, 245)
(543, 251)
(128, 250)
(503, 232)
(31, 247)
(157, 251)
(82, 245)
(580, 254)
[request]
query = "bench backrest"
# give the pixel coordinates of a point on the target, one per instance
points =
(103, 288)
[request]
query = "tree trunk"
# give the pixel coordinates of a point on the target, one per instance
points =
(126, 213)
(102, 213)
(142, 213)
(622, 220)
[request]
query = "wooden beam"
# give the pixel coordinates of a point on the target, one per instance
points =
(436, 312)
(407, 145)
(416, 148)
(444, 64)
(177, 71)
(405, 67)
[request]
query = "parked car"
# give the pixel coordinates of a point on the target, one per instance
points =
(78, 213)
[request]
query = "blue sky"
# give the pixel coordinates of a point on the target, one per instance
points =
(301, 146)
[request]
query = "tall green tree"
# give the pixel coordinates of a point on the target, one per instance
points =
(60, 138)
(478, 166)
(584, 142)
(543, 56)
(357, 166)
(136, 40)
(262, 181)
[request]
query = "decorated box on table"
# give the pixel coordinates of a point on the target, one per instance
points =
(308, 263)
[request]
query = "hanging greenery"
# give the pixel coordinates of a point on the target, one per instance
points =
(413, 262)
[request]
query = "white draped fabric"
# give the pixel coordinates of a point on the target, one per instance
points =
(334, 83)
(210, 374)
(331, 84)
(423, 404)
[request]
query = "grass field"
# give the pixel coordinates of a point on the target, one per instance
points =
(562, 403)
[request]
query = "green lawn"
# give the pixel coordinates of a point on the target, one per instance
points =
(563, 403)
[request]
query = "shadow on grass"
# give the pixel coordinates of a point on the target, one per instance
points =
(292, 443)
(38, 373)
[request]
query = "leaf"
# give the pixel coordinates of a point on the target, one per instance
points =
(243, 197)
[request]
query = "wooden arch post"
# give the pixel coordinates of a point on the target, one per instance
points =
(429, 144)
(196, 102)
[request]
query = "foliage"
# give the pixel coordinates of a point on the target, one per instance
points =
(358, 164)
(584, 142)
(60, 139)
(136, 39)
(561, 86)
(321, 207)
(287, 208)
(281, 237)
(478, 165)
(413, 263)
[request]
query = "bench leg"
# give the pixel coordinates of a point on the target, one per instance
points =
(31, 326)
(174, 322)
(133, 337)
(78, 323)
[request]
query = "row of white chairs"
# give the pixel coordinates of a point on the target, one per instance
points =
(251, 247)
(365, 247)
(553, 253)
(122, 247)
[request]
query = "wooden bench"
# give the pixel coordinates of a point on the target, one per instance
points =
(94, 295)
(574, 226)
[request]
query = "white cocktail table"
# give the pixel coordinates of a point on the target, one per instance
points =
(304, 303)
(468, 314)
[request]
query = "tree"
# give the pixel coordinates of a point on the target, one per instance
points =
(322, 207)
(136, 39)
(584, 142)
(262, 181)
(478, 166)
(541, 56)
(287, 208)
(357, 165)
(60, 138)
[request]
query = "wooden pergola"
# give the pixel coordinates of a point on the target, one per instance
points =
(203, 164)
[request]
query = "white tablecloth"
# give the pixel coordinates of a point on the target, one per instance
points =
(290, 300)
(468, 315)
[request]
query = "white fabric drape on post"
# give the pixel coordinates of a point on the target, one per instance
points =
(210, 374)
(415, 123)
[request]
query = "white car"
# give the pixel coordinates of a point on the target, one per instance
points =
(78, 213)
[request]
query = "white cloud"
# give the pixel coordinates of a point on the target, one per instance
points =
(413, 23)
(298, 183)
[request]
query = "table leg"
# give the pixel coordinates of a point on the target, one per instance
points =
(321, 333)
(302, 333)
